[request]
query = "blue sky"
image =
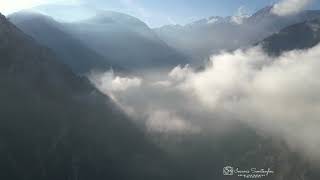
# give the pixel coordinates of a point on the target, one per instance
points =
(154, 12)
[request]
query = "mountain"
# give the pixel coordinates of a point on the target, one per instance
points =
(125, 40)
(204, 155)
(68, 49)
(56, 125)
(203, 38)
(298, 36)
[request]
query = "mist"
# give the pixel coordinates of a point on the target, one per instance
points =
(277, 96)
(289, 7)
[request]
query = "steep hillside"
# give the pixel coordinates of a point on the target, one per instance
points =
(55, 125)
(298, 36)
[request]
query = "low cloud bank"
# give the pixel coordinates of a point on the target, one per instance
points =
(289, 7)
(276, 96)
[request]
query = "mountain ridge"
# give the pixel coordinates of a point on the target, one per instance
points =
(48, 32)
(202, 40)
(133, 45)
(295, 37)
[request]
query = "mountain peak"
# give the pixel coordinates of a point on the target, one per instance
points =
(23, 16)
(3, 19)
(5, 27)
(212, 20)
(106, 17)
(2, 16)
(266, 11)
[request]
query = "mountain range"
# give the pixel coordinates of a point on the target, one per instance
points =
(126, 40)
(124, 43)
(107, 40)
(208, 36)
(54, 124)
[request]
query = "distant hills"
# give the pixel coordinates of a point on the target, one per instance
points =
(126, 40)
(108, 40)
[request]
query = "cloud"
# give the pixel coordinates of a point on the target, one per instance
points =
(289, 7)
(180, 73)
(241, 15)
(166, 121)
(276, 96)
(109, 83)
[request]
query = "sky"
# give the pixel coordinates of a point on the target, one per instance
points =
(154, 12)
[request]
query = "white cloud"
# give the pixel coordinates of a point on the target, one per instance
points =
(108, 82)
(276, 96)
(180, 73)
(165, 121)
(241, 15)
(289, 7)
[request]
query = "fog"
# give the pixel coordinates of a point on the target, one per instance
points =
(289, 7)
(279, 97)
